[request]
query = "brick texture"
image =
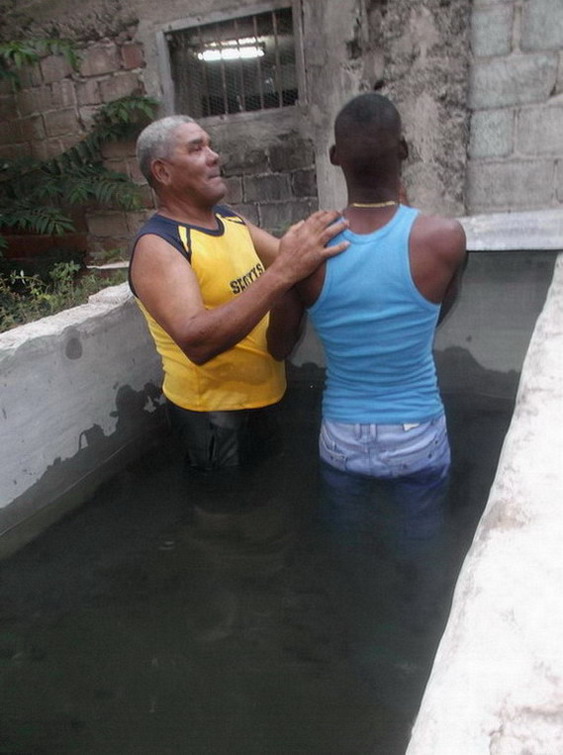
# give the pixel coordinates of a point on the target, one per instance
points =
(516, 140)
(492, 133)
(491, 30)
(132, 56)
(234, 190)
(35, 100)
(291, 154)
(54, 108)
(237, 161)
(99, 59)
(120, 85)
(88, 92)
(280, 215)
(266, 188)
(63, 94)
(542, 25)
(54, 68)
(58, 122)
(515, 185)
(304, 183)
(540, 131)
(516, 80)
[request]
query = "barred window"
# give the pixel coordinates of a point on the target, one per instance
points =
(240, 65)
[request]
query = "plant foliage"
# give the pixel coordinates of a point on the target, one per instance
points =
(25, 297)
(35, 195)
(16, 54)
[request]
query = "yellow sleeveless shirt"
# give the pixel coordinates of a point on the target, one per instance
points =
(225, 263)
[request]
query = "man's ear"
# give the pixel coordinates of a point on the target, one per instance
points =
(403, 148)
(333, 155)
(159, 171)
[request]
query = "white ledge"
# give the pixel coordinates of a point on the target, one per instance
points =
(497, 681)
(538, 230)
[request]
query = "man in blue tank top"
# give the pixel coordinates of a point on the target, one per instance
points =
(375, 309)
(385, 456)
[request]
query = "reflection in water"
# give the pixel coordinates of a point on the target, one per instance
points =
(152, 622)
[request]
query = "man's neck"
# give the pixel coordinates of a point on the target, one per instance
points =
(186, 212)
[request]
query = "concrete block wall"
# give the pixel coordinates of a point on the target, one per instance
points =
(426, 62)
(273, 185)
(53, 109)
(516, 96)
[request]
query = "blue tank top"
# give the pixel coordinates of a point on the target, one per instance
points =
(377, 331)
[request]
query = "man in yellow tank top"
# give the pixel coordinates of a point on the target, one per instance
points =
(206, 280)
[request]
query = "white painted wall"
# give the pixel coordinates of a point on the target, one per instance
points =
(86, 376)
(497, 681)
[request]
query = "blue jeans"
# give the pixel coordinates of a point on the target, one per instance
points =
(381, 521)
(375, 475)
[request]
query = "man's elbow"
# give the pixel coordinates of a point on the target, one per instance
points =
(279, 353)
(198, 350)
(201, 354)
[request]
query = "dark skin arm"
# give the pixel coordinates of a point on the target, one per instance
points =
(286, 325)
(286, 316)
(438, 258)
(167, 286)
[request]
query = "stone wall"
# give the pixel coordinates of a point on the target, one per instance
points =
(52, 109)
(276, 162)
(418, 54)
(425, 56)
(273, 185)
(516, 95)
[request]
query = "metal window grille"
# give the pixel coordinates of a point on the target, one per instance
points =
(234, 66)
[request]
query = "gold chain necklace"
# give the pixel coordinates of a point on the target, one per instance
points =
(375, 204)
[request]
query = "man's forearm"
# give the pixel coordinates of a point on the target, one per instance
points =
(286, 325)
(214, 331)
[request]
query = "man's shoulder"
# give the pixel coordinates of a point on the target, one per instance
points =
(427, 223)
(156, 224)
(439, 232)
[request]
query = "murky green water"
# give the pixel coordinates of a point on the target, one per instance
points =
(134, 626)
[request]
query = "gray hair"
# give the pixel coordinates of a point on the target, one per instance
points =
(156, 141)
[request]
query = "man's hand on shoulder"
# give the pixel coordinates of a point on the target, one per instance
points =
(305, 246)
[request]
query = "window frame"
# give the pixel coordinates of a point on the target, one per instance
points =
(192, 22)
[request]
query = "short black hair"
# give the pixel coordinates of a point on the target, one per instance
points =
(369, 109)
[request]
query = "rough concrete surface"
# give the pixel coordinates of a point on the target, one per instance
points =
(497, 682)
(76, 388)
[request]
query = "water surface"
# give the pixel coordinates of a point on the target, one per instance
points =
(140, 625)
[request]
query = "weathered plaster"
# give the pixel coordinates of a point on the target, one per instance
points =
(497, 681)
(76, 389)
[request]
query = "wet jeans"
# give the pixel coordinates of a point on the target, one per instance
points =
(381, 517)
(378, 474)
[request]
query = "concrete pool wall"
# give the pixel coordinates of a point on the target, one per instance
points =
(79, 395)
(497, 681)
